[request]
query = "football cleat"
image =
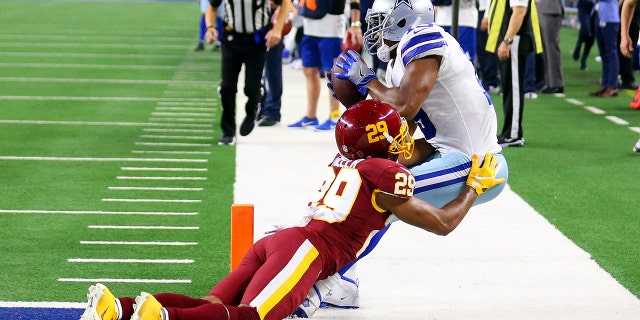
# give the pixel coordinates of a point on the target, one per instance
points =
(344, 295)
(102, 304)
(310, 304)
(148, 308)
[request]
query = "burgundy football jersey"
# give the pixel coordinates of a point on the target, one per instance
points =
(344, 213)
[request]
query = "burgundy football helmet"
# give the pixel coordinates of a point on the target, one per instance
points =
(372, 128)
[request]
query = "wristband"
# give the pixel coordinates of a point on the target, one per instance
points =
(507, 41)
(356, 24)
(209, 27)
(355, 5)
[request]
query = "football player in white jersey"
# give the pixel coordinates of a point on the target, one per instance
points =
(430, 80)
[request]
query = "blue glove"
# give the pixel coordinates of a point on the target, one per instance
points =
(356, 70)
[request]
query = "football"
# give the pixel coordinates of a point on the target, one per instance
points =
(288, 23)
(347, 44)
(346, 92)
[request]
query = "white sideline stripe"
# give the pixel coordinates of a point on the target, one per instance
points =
(119, 81)
(165, 144)
(595, 110)
(183, 109)
(178, 130)
(168, 152)
(162, 169)
(183, 114)
(124, 124)
(141, 243)
(144, 227)
(43, 304)
(100, 159)
(150, 136)
(67, 98)
(102, 280)
(152, 200)
(87, 66)
(183, 119)
(617, 120)
(160, 178)
(81, 260)
(155, 189)
(574, 101)
(96, 38)
(635, 129)
(153, 213)
(91, 45)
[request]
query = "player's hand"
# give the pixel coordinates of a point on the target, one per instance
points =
(483, 178)
(330, 86)
(356, 70)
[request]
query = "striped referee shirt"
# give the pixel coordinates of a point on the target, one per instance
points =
(245, 16)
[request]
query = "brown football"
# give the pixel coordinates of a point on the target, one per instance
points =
(346, 92)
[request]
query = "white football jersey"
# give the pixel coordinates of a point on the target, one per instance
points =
(458, 114)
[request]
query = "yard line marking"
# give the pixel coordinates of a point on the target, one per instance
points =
(118, 81)
(168, 152)
(105, 280)
(167, 144)
(617, 120)
(81, 260)
(159, 178)
(101, 159)
(156, 189)
(144, 227)
(152, 213)
(93, 55)
(184, 109)
(170, 103)
(152, 200)
(161, 169)
(207, 101)
(574, 101)
(177, 130)
(182, 114)
(182, 119)
(636, 129)
(595, 110)
(88, 66)
(140, 243)
(150, 136)
(124, 124)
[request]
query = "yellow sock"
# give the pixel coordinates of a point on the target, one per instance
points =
(335, 114)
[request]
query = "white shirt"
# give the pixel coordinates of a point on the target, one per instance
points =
(458, 114)
(467, 14)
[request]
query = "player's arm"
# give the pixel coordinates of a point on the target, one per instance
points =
(274, 35)
(210, 17)
(416, 84)
(443, 220)
(421, 151)
(626, 45)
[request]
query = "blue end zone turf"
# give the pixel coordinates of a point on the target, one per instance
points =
(40, 313)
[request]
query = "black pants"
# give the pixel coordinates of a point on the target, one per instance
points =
(239, 49)
(512, 76)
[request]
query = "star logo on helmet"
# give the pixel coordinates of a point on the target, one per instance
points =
(406, 2)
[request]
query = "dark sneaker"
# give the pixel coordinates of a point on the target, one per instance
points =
(266, 122)
(247, 125)
(227, 140)
(199, 47)
(636, 148)
(510, 142)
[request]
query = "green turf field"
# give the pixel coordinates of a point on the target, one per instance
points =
(109, 122)
(109, 129)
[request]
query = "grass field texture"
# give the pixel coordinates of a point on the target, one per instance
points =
(108, 125)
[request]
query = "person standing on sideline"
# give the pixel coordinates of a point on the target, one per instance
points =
(627, 46)
(607, 30)
(467, 23)
(514, 32)
(487, 62)
(586, 35)
(551, 13)
(324, 25)
(245, 39)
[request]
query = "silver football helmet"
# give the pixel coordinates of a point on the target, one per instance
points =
(390, 19)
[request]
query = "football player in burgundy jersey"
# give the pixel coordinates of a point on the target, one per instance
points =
(363, 186)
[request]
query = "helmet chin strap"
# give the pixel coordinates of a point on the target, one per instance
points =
(384, 51)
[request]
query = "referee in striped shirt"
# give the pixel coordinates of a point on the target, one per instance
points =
(245, 38)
